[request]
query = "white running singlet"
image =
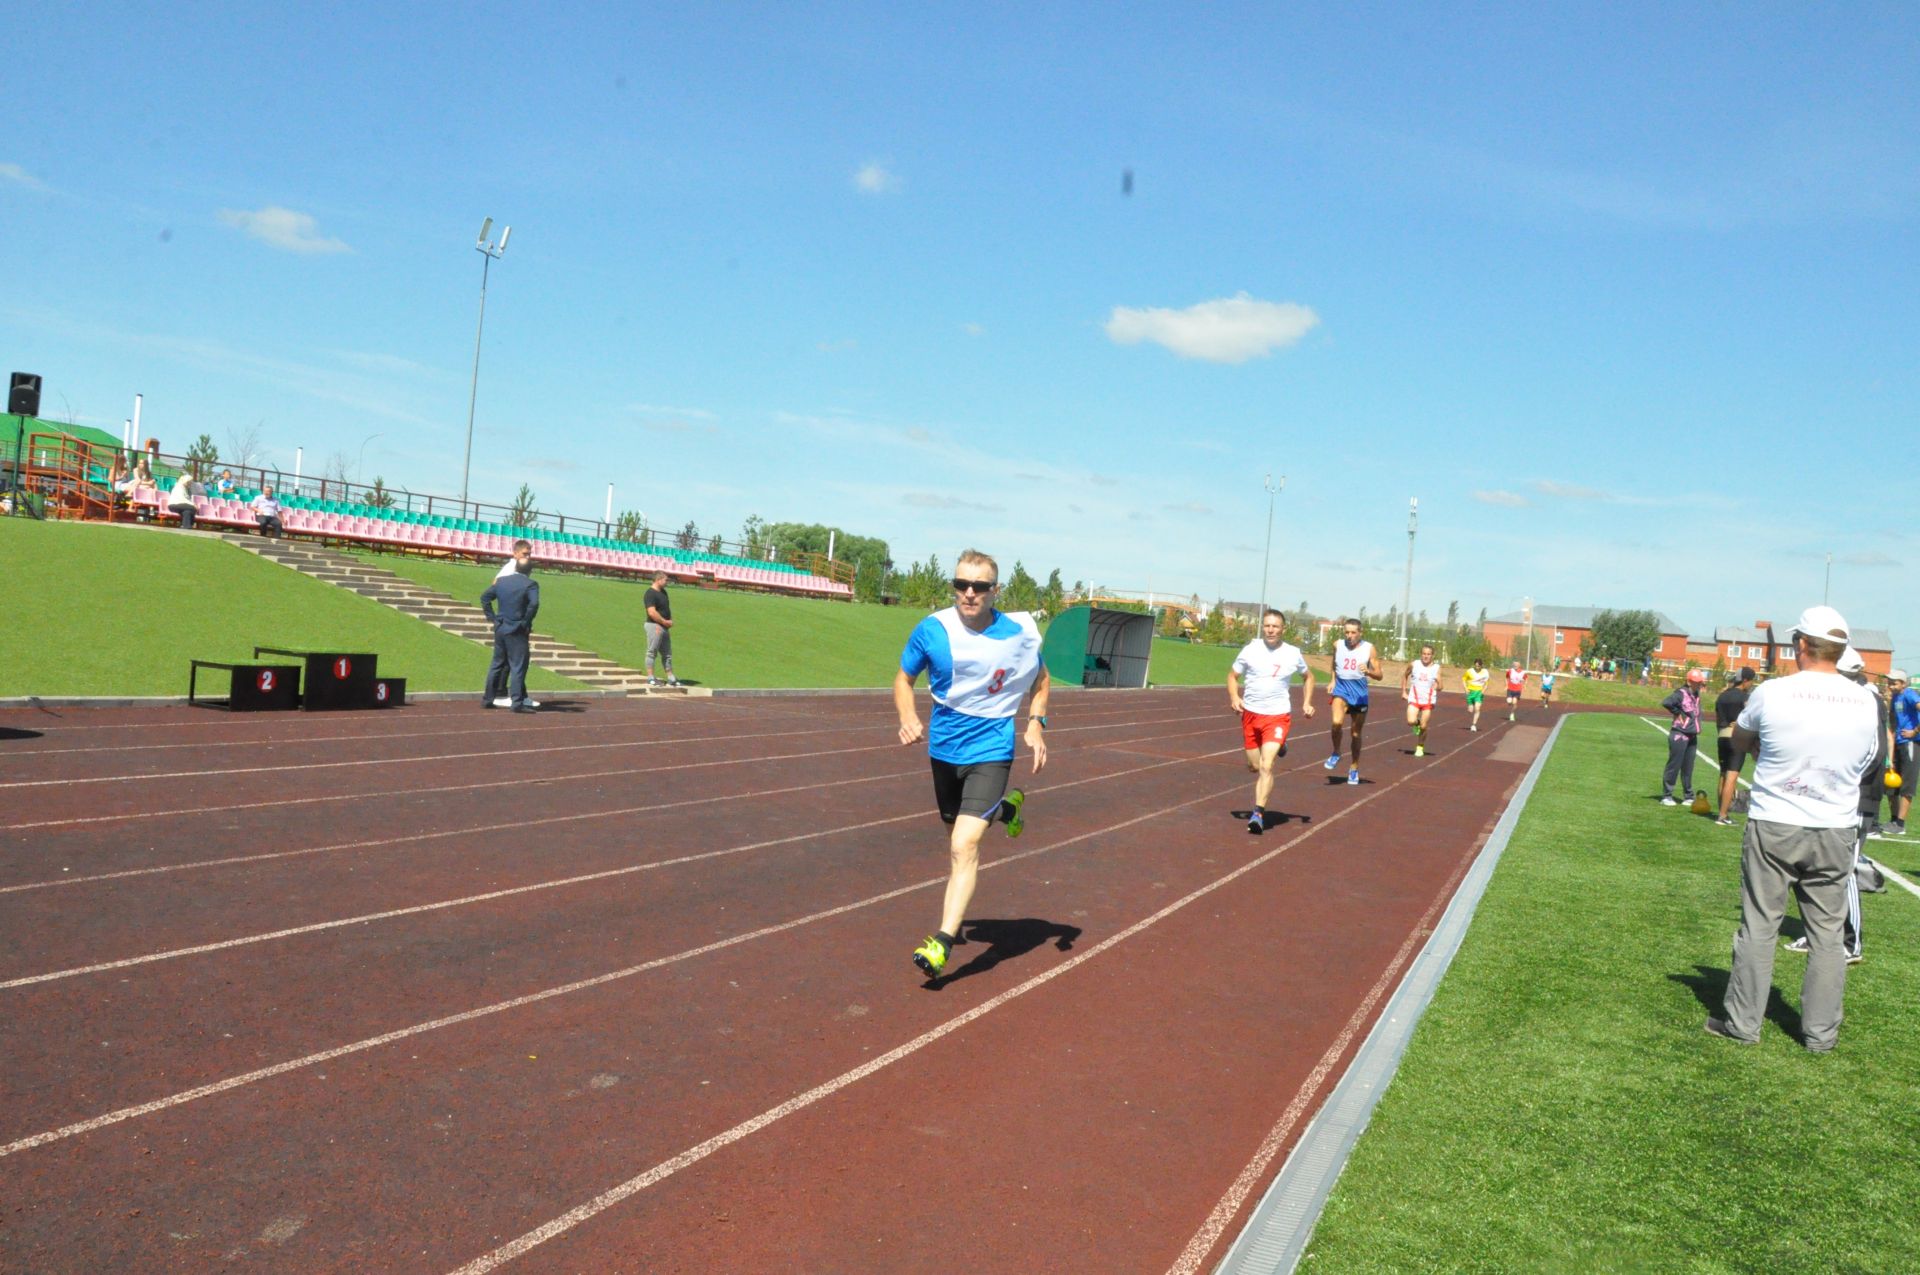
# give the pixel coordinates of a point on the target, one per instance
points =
(1423, 683)
(1350, 663)
(1266, 676)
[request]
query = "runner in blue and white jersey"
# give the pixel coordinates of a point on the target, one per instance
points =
(1354, 661)
(980, 663)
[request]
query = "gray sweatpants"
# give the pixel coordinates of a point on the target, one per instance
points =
(1813, 864)
(659, 644)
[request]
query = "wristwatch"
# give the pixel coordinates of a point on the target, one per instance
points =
(1041, 720)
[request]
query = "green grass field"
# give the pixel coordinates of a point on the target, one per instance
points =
(1569, 689)
(724, 638)
(121, 610)
(1560, 1109)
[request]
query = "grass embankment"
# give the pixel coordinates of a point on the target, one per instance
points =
(1569, 689)
(724, 638)
(1560, 1108)
(106, 610)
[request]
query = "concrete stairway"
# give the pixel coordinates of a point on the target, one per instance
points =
(464, 619)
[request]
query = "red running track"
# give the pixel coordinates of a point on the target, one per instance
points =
(628, 988)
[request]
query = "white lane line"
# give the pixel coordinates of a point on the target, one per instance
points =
(1904, 884)
(432, 758)
(375, 843)
(200, 811)
(298, 740)
(1702, 755)
(1224, 1211)
(694, 1154)
(386, 1038)
(919, 812)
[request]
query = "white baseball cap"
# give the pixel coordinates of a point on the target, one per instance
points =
(1824, 623)
(1897, 675)
(1850, 661)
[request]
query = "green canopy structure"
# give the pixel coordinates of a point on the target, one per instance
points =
(1091, 646)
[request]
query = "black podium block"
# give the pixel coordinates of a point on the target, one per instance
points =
(389, 692)
(252, 688)
(338, 679)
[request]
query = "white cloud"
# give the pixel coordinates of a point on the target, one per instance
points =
(283, 228)
(1228, 330)
(21, 177)
(1570, 491)
(934, 500)
(875, 178)
(841, 346)
(1188, 507)
(973, 329)
(1505, 499)
(662, 409)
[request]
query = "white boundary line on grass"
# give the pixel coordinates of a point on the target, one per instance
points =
(1277, 1233)
(1904, 884)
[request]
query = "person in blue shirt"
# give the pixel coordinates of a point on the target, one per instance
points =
(980, 663)
(1904, 708)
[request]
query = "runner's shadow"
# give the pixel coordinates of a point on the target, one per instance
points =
(15, 732)
(1273, 819)
(1709, 986)
(1005, 940)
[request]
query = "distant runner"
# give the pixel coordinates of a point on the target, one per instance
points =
(1265, 704)
(1516, 682)
(1474, 682)
(979, 663)
(1421, 687)
(1546, 688)
(1354, 662)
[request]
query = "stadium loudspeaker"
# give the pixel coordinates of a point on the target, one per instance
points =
(23, 396)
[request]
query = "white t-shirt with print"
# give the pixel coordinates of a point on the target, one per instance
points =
(1266, 675)
(1816, 742)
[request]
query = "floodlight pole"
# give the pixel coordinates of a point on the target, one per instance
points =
(1406, 596)
(489, 251)
(1267, 561)
(1827, 588)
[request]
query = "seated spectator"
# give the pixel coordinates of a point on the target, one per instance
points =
(267, 510)
(184, 499)
(118, 474)
(223, 485)
(141, 490)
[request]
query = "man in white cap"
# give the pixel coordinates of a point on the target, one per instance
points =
(1815, 734)
(1903, 703)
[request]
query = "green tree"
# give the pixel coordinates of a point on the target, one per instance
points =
(1019, 591)
(1626, 635)
(713, 545)
(523, 511)
(753, 536)
(379, 496)
(1053, 595)
(810, 537)
(202, 456)
(925, 585)
(1453, 615)
(628, 525)
(688, 536)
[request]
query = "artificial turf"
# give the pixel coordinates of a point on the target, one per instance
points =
(1560, 1108)
(120, 610)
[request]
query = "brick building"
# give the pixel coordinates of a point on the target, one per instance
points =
(1762, 648)
(1559, 631)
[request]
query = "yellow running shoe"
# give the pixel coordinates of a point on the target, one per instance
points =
(1013, 801)
(1419, 750)
(931, 956)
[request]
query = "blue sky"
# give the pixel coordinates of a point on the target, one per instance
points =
(1625, 295)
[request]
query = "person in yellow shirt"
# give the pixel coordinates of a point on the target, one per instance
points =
(1474, 680)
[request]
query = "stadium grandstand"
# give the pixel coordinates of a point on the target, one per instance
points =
(66, 473)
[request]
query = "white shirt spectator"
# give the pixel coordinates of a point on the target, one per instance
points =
(1816, 742)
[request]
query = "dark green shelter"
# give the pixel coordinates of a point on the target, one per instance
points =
(1090, 646)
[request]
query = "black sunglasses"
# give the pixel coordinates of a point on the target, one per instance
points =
(973, 586)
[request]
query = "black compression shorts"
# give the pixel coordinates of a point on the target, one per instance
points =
(969, 790)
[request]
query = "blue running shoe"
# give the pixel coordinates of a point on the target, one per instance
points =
(1333, 762)
(1353, 775)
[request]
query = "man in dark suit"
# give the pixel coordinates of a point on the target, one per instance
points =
(517, 599)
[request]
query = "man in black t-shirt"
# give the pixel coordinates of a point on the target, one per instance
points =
(659, 629)
(1726, 711)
